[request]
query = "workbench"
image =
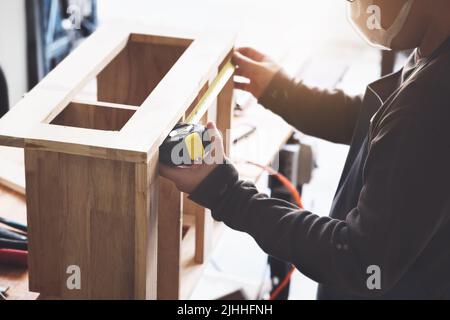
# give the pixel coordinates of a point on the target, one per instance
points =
(271, 133)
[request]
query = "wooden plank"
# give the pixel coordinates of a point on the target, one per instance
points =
(194, 69)
(203, 235)
(188, 74)
(225, 107)
(91, 168)
(111, 148)
(57, 89)
(169, 240)
(146, 230)
(161, 40)
(191, 271)
(82, 212)
(136, 71)
(202, 226)
(37, 225)
(152, 238)
(104, 104)
(112, 229)
(12, 169)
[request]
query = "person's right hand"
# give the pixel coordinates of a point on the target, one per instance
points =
(256, 67)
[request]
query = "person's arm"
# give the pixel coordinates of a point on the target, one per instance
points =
(330, 115)
(402, 204)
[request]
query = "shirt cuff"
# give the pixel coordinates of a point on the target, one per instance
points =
(278, 92)
(211, 190)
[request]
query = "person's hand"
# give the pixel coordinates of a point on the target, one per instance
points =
(187, 178)
(256, 67)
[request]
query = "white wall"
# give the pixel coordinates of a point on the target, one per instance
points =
(13, 47)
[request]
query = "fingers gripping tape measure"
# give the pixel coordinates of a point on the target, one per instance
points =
(188, 141)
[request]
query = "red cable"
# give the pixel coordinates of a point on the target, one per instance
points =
(13, 257)
(298, 200)
(282, 285)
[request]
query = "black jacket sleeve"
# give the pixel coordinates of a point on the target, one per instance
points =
(329, 115)
(403, 202)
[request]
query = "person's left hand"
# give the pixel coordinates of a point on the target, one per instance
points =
(187, 178)
(256, 67)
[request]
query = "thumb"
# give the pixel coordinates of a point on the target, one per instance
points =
(213, 131)
(211, 125)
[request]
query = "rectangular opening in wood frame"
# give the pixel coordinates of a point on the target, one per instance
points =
(124, 84)
(136, 71)
(108, 117)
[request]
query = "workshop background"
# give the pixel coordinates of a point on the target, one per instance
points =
(311, 39)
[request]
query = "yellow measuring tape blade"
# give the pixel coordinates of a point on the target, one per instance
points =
(211, 94)
(194, 146)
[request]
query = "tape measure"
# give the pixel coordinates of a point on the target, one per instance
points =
(187, 143)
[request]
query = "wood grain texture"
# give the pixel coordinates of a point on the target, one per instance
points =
(136, 71)
(169, 240)
(142, 65)
(84, 211)
(12, 169)
(202, 226)
(225, 107)
(146, 229)
(93, 193)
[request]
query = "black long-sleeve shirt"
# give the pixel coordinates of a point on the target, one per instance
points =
(392, 207)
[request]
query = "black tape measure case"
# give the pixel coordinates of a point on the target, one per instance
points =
(185, 145)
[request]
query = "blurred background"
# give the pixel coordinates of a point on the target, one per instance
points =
(311, 39)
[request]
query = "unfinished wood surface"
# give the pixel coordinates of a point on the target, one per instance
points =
(225, 107)
(191, 271)
(136, 71)
(202, 224)
(55, 91)
(191, 65)
(104, 54)
(82, 212)
(12, 169)
(13, 206)
(91, 167)
(169, 240)
(146, 230)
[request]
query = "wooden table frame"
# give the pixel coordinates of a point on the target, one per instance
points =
(94, 196)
